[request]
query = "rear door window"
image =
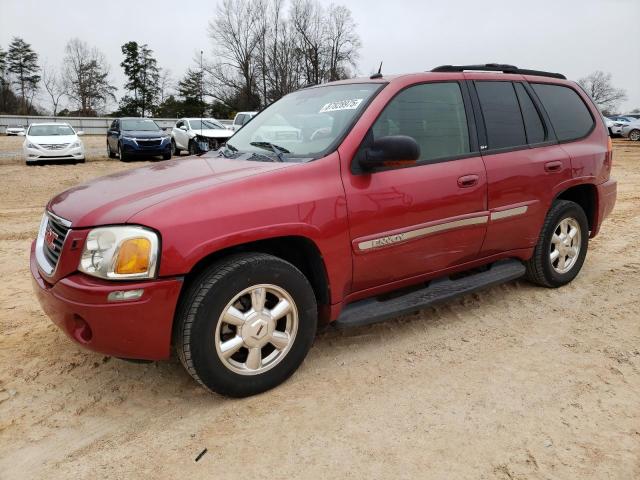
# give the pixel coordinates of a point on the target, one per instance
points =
(532, 122)
(569, 116)
(433, 114)
(501, 112)
(240, 119)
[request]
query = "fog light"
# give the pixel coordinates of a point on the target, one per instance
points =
(124, 295)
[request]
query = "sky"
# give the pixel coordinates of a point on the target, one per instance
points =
(574, 37)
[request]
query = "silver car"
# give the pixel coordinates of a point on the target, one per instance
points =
(631, 131)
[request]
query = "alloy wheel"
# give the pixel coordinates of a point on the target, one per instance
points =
(565, 245)
(256, 329)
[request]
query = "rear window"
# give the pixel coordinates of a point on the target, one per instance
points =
(501, 113)
(569, 116)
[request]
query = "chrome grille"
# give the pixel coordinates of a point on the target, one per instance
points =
(54, 146)
(53, 232)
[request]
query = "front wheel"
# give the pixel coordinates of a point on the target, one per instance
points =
(193, 149)
(166, 155)
(110, 153)
(174, 147)
(634, 135)
(246, 324)
(562, 246)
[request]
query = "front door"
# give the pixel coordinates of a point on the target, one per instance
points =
(406, 222)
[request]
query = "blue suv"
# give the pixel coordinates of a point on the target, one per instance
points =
(128, 137)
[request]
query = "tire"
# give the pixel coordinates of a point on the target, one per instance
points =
(226, 285)
(552, 273)
(123, 156)
(174, 147)
(167, 155)
(31, 163)
(110, 153)
(634, 135)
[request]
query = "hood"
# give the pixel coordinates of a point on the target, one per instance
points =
(214, 132)
(116, 198)
(52, 139)
(143, 133)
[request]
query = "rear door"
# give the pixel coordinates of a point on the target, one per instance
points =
(410, 221)
(524, 163)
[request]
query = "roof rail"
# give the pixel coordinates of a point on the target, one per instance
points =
(497, 67)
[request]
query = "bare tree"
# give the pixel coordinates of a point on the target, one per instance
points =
(308, 20)
(235, 33)
(165, 84)
(343, 42)
(86, 77)
(598, 85)
(54, 86)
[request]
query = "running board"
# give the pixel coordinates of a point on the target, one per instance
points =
(373, 310)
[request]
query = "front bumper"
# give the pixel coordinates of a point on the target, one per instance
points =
(132, 147)
(138, 329)
(76, 153)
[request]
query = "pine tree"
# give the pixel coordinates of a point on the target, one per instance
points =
(143, 74)
(190, 88)
(22, 62)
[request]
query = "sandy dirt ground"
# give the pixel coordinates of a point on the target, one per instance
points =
(516, 382)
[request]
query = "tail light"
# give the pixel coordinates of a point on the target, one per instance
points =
(608, 159)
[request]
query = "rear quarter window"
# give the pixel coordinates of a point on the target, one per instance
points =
(570, 117)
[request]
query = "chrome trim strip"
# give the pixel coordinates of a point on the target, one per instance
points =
(420, 232)
(63, 221)
(511, 212)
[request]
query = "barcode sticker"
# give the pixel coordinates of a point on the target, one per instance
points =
(341, 105)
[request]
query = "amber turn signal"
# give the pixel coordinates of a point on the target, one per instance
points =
(133, 256)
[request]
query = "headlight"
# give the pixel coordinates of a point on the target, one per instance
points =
(120, 253)
(128, 138)
(32, 145)
(75, 145)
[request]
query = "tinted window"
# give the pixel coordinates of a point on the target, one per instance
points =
(532, 121)
(433, 114)
(501, 113)
(569, 115)
(240, 119)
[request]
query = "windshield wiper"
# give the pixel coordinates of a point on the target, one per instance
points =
(274, 148)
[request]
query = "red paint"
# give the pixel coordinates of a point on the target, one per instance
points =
(200, 206)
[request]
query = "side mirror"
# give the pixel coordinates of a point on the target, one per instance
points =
(80, 133)
(394, 150)
(183, 127)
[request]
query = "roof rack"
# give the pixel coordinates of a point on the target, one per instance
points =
(497, 67)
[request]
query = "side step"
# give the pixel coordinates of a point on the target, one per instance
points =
(373, 310)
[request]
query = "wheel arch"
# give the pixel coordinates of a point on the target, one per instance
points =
(300, 251)
(586, 196)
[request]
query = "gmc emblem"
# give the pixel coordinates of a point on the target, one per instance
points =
(49, 237)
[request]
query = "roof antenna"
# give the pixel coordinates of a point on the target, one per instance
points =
(377, 75)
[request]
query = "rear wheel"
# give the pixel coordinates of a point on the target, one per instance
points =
(246, 324)
(634, 135)
(562, 246)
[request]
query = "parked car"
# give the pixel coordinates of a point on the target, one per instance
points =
(411, 190)
(52, 141)
(615, 129)
(15, 130)
(134, 137)
(635, 116)
(241, 118)
(188, 133)
(631, 131)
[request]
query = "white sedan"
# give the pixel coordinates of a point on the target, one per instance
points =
(52, 141)
(191, 134)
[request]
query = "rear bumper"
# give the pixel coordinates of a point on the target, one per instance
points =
(139, 329)
(607, 193)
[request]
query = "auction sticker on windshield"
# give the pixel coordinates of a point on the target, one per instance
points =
(341, 105)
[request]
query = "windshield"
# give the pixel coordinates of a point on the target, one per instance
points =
(50, 130)
(140, 124)
(204, 124)
(304, 123)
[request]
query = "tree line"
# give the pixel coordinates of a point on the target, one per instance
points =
(260, 51)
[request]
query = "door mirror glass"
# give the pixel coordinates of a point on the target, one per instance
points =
(80, 133)
(390, 151)
(183, 127)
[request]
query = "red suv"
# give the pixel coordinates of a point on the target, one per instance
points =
(349, 202)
